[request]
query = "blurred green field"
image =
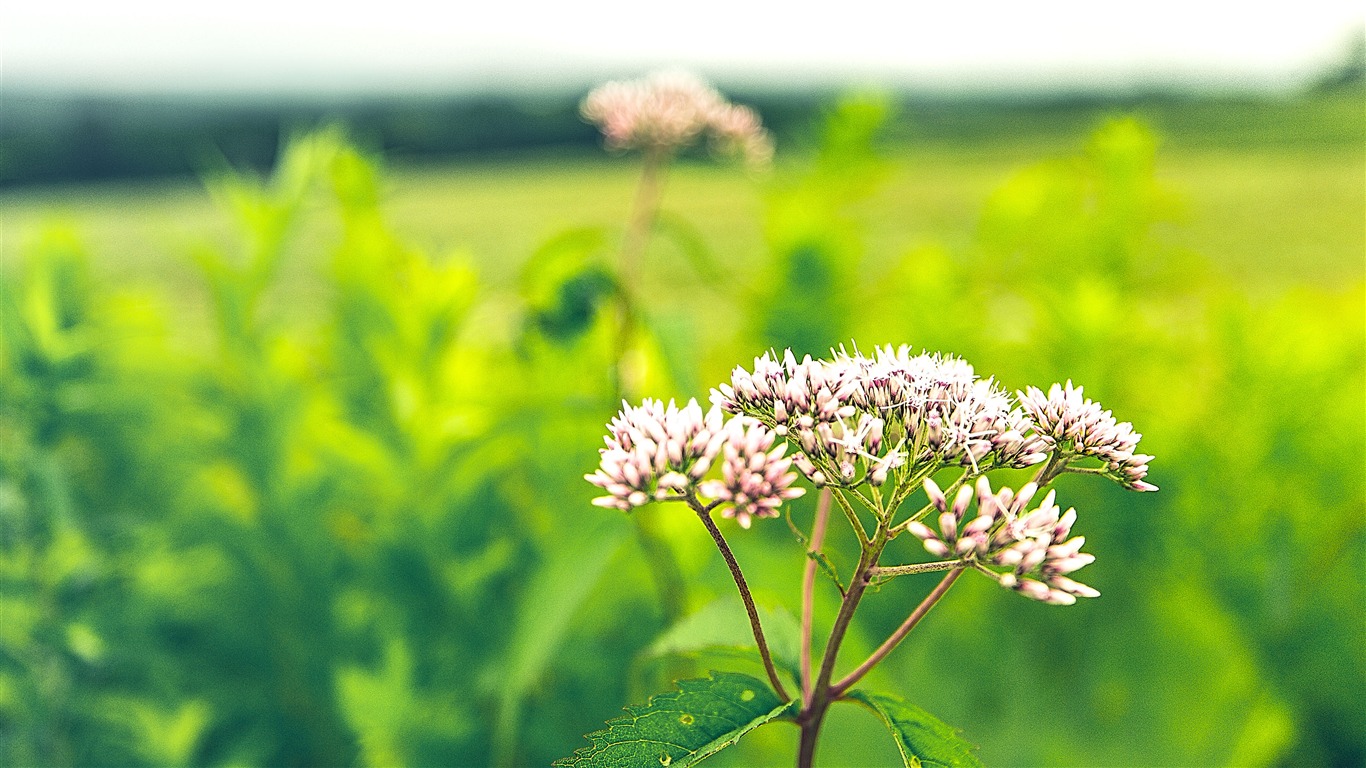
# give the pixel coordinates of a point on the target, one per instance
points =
(1263, 216)
(296, 467)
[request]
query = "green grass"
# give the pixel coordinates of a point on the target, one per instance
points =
(1264, 216)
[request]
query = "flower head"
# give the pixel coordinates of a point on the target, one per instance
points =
(1071, 422)
(737, 130)
(669, 110)
(755, 478)
(658, 452)
(860, 418)
(1035, 547)
(655, 451)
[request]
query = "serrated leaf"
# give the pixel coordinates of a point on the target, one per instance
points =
(922, 738)
(682, 728)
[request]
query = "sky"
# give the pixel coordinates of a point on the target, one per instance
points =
(417, 45)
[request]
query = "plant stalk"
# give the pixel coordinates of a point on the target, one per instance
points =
(808, 591)
(633, 244)
(668, 577)
(813, 714)
(919, 613)
(748, 599)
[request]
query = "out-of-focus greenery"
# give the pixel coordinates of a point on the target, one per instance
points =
(323, 504)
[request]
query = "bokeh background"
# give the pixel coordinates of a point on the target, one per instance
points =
(308, 340)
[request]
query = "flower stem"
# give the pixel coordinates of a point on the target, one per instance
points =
(854, 520)
(747, 598)
(809, 588)
(1057, 462)
(813, 713)
(643, 212)
(919, 613)
(906, 570)
(664, 568)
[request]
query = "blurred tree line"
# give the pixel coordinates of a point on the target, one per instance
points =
(50, 137)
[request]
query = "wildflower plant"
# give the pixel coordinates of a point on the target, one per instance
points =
(578, 279)
(870, 433)
(659, 115)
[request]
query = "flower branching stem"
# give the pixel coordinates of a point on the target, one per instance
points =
(854, 520)
(809, 588)
(907, 570)
(704, 513)
(919, 613)
(813, 713)
(818, 695)
(1056, 464)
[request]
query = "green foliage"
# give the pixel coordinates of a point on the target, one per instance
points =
(722, 626)
(922, 738)
(681, 729)
(815, 243)
(326, 505)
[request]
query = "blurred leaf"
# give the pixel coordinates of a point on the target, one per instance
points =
(551, 597)
(724, 624)
(169, 736)
(679, 729)
(689, 240)
(565, 283)
(924, 740)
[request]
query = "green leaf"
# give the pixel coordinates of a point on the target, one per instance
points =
(682, 728)
(924, 740)
(690, 242)
(723, 625)
(558, 589)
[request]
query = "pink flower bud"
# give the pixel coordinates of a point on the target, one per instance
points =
(960, 502)
(936, 495)
(1067, 585)
(1035, 590)
(921, 531)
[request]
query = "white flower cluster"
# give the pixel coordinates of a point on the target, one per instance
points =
(656, 452)
(1033, 545)
(669, 110)
(1080, 426)
(862, 417)
(754, 476)
(892, 416)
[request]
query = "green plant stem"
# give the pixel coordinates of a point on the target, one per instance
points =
(812, 715)
(906, 570)
(1057, 462)
(1086, 470)
(664, 568)
(644, 210)
(909, 486)
(854, 520)
(949, 493)
(919, 613)
(809, 589)
(705, 514)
